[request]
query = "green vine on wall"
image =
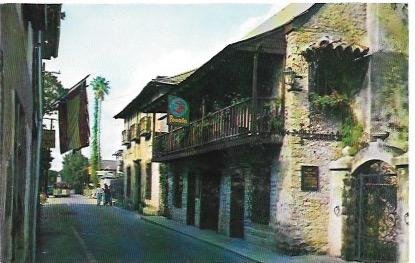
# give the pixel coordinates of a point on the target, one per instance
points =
(163, 187)
(352, 135)
(334, 101)
(338, 105)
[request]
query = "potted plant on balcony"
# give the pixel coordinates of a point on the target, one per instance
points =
(277, 125)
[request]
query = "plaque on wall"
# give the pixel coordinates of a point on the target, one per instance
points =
(309, 178)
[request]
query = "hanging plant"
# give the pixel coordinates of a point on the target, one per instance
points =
(334, 101)
(277, 124)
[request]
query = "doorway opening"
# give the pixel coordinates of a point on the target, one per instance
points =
(209, 207)
(191, 195)
(237, 206)
(376, 206)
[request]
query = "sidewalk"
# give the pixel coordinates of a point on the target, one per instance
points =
(236, 245)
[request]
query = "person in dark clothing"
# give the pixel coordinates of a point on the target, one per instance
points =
(107, 195)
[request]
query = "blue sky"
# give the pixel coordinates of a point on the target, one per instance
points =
(130, 44)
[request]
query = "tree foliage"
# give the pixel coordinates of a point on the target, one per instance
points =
(101, 87)
(52, 175)
(52, 90)
(74, 170)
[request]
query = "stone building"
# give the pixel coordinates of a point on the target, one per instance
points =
(299, 135)
(28, 34)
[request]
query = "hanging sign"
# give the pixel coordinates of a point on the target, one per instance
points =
(48, 139)
(178, 111)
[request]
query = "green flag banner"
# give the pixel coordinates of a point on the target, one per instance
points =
(73, 118)
(178, 111)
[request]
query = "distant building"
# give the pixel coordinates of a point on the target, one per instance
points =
(118, 158)
(29, 33)
(142, 176)
(109, 165)
(298, 137)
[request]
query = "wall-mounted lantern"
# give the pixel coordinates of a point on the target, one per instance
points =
(290, 78)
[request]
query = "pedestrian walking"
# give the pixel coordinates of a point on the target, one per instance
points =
(107, 195)
(99, 194)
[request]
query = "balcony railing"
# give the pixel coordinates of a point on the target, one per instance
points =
(145, 126)
(126, 137)
(233, 125)
(135, 136)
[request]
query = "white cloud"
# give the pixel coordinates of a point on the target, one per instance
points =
(127, 80)
(251, 23)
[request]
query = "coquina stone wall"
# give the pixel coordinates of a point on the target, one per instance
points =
(246, 163)
(177, 213)
(224, 203)
(302, 216)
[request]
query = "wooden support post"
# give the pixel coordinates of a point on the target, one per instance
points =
(254, 88)
(255, 78)
(153, 129)
(203, 107)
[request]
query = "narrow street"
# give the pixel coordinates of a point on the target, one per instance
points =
(222, 131)
(76, 230)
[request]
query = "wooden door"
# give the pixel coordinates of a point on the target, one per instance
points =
(191, 199)
(237, 206)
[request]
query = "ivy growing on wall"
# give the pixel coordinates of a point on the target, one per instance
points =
(338, 105)
(352, 133)
(333, 102)
(349, 209)
(164, 190)
(391, 107)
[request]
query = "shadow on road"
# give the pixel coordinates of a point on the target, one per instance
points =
(76, 230)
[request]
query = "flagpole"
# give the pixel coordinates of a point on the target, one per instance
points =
(56, 102)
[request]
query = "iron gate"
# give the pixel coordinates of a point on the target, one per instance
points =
(377, 218)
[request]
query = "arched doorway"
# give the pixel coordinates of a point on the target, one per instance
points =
(376, 229)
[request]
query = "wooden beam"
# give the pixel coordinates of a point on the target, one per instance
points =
(220, 146)
(255, 77)
(273, 51)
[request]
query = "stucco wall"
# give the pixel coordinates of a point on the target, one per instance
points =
(18, 181)
(142, 151)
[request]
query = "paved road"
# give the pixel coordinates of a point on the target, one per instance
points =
(75, 230)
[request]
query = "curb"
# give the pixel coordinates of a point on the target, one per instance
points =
(200, 239)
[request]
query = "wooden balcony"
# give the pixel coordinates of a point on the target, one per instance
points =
(126, 137)
(239, 124)
(135, 136)
(145, 126)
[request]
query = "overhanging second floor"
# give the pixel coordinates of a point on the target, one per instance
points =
(243, 123)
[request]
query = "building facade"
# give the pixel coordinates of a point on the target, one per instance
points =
(28, 34)
(141, 175)
(299, 135)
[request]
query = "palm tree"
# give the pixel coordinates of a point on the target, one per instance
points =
(101, 88)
